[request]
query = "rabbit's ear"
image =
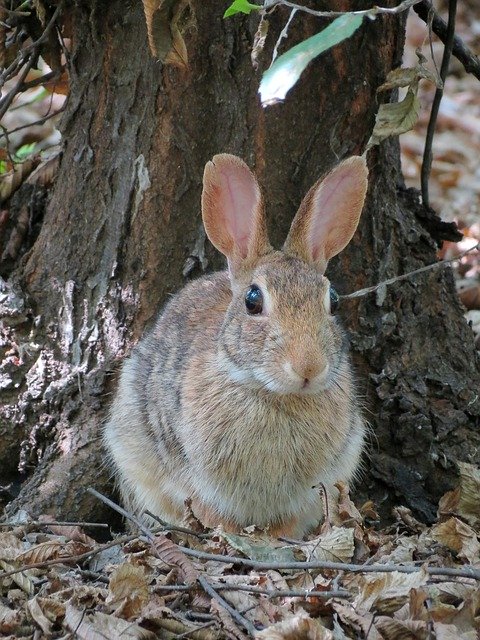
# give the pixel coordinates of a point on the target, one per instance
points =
(329, 214)
(232, 210)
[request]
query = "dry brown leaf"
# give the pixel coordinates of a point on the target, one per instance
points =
(169, 553)
(469, 503)
(74, 533)
(451, 632)
(259, 40)
(10, 182)
(347, 511)
(128, 590)
(229, 626)
(164, 37)
(392, 629)
(52, 550)
(298, 627)
(10, 619)
(35, 610)
(100, 626)
(337, 545)
(386, 592)
(361, 622)
(459, 537)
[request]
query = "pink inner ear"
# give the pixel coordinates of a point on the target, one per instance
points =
(239, 198)
(337, 206)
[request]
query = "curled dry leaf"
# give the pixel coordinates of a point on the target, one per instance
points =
(9, 620)
(259, 40)
(169, 553)
(164, 37)
(100, 626)
(386, 592)
(45, 612)
(52, 550)
(128, 590)
(337, 545)
(74, 533)
(298, 627)
(469, 504)
(359, 622)
(347, 511)
(459, 537)
(392, 629)
(12, 180)
(229, 626)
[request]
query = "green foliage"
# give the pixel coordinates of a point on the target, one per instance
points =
(287, 68)
(240, 6)
(23, 152)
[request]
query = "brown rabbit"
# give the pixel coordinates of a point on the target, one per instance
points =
(242, 397)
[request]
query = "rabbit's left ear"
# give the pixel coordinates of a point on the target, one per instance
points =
(329, 214)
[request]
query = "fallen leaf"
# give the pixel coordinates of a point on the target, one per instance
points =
(337, 545)
(459, 537)
(298, 627)
(128, 590)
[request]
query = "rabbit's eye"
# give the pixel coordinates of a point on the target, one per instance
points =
(254, 300)
(334, 300)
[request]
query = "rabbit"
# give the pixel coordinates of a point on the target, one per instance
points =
(242, 397)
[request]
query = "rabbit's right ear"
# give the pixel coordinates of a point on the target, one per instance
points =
(232, 210)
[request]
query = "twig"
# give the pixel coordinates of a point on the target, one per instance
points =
(427, 154)
(283, 34)
(271, 593)
(7, 100)
(470, 62)
(12, 12)
(148, 533)
(173, 527)
(36, 122)
(39, 523)
(465, 572)
(239, 619)
(405, 276)
(23, 54)
(78, 558)
(370, 13)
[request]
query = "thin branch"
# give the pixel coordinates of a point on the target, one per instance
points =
(76, 559)
(427, 154)
(283, 34)
(8, 99)
(173, 527)
(40, 523)
(239, 619)
(370, 13)
(464, 572)
(470, 62)
(36, 122)
(405, 276)
(271, 593)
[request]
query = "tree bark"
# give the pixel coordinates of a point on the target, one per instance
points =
(122, 230)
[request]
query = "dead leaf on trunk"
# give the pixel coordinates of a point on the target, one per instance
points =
(163, 18)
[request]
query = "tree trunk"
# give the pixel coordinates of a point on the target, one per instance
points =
(122, 230)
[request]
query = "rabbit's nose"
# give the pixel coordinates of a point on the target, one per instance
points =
(308, 368)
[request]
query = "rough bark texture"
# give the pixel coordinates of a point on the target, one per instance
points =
(122, 230)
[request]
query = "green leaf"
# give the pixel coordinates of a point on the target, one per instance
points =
(287, 68)
(240, 6)
(23, 152)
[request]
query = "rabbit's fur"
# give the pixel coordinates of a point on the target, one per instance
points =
(246, 414)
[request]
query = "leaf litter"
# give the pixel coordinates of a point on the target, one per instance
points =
(348, 580)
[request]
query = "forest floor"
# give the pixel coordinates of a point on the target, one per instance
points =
(350, 579)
